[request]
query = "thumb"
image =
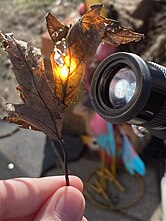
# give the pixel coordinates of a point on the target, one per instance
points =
(66, 204)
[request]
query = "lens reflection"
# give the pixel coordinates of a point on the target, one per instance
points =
(122, 87)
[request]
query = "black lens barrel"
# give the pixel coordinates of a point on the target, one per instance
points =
(148, 103)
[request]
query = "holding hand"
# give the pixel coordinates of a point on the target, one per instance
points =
(41, 199)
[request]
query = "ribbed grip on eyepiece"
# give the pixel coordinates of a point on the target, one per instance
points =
(160, 119)
(160, 67)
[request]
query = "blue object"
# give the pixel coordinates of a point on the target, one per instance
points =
(131, 160)
(107, 141)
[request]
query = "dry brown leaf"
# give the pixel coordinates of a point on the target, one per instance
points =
(40, 110)
(85, 36)
(92, 29)
(117, 34)
(56, 30)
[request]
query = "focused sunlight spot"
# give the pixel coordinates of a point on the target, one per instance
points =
(63, 66)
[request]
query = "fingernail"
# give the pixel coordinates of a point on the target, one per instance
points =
(70, 205)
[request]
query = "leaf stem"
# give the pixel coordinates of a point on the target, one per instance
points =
(64, 149)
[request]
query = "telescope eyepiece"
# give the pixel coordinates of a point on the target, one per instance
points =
(125, 88)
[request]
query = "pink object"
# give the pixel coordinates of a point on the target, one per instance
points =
(98, 125)
(82, 8)
(103, 51)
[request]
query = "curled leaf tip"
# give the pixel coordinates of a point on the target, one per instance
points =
(96, 6)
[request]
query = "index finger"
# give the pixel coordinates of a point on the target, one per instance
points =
(24, 196)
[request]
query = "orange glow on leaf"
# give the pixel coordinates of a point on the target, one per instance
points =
(67, 74)
(64, 66)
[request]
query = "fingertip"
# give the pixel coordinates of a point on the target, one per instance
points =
(67, 203)
(70, 204)
(24, 191)
(76, 182)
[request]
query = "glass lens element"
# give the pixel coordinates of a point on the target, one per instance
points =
(122, 87)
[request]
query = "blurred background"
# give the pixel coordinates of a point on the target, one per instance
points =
(128, 194)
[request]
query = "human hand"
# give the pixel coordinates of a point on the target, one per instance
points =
(44, 199)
